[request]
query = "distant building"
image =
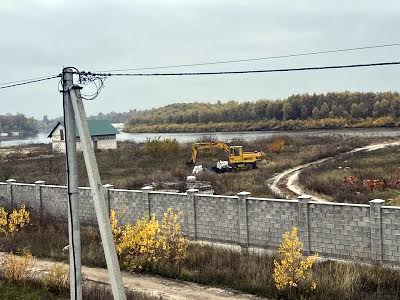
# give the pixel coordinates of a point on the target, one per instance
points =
(104, 136)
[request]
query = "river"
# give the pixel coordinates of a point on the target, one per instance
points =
(223, 136)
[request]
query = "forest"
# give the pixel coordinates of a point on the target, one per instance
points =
(18, 122)
(305, 111)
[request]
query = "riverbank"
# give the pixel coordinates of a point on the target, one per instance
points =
(265, 125)
(189, 137)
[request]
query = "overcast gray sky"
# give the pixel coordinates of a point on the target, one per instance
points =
(39, 37)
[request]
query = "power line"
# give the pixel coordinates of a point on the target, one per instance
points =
(242, 72)
(28, 82)
(23, 80)
(256, 59)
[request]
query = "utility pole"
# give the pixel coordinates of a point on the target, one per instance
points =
(72, 189)
(99, 200)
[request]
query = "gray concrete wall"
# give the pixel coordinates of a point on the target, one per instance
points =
(352, 231)
(390, 220)
(3, 192)
(269, 219)
(340, 230)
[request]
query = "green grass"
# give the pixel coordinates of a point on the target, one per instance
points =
(90, 291)
(10, 291)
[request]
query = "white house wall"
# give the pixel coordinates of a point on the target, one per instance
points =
(59, 146)
(107, 144)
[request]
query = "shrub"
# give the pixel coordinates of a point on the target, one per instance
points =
(161, 149)
(277, 146)
(18, 269)
(14, 221)
(56, 279)
(293, 270)
(147, 242)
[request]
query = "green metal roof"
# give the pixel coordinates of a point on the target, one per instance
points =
(96, 128)
(101, 127)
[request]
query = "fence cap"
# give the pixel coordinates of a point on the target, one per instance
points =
(244, 193)
(147, 188)
(108, 186)
(377, 201)
(40, 182)
(304, 197)
(10, 180)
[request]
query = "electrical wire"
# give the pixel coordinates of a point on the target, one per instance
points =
(23, 80)
(244, 71)
(256, 59)
(28, 82)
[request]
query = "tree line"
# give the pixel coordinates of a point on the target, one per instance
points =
(341, 109)
(18, 123)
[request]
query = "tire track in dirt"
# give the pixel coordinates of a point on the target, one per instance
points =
(286, 184)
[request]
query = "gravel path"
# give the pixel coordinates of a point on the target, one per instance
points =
(286, 184)
(159, 287)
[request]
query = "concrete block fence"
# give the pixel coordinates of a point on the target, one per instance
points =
(339, 230)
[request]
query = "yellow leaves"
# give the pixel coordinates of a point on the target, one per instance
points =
(149, 241)
(277, 146)
(14, 221)
(293, 268)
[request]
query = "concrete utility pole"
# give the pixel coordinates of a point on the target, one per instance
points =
(99, 201)
(72, 189)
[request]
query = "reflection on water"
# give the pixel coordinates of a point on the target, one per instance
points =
(224, 136)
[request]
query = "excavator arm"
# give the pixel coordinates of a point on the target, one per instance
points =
(198, 146)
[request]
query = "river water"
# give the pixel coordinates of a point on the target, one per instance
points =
(223, 136)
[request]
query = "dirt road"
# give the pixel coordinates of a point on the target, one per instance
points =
(159, 287)
(286, 184)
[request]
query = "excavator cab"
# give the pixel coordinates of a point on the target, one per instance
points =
(235, 153)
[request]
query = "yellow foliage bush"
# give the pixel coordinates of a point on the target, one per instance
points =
(14, 221)
(277, 146)
(148, 241)
(18, 268)
(293, 270)
(56, 279)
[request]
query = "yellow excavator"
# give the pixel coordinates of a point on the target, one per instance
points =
(237, 158)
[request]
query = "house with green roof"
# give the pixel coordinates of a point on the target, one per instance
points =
(103, 133)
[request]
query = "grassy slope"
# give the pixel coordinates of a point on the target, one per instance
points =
(266, 125)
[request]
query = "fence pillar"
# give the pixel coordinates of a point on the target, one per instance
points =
(10, 183)
(38, 205)
(192, 214)
(304, 223)
(146, 198)
(106, 188)
(376, 229)
(243, 219)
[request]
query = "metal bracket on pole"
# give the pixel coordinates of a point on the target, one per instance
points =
(98, 195)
